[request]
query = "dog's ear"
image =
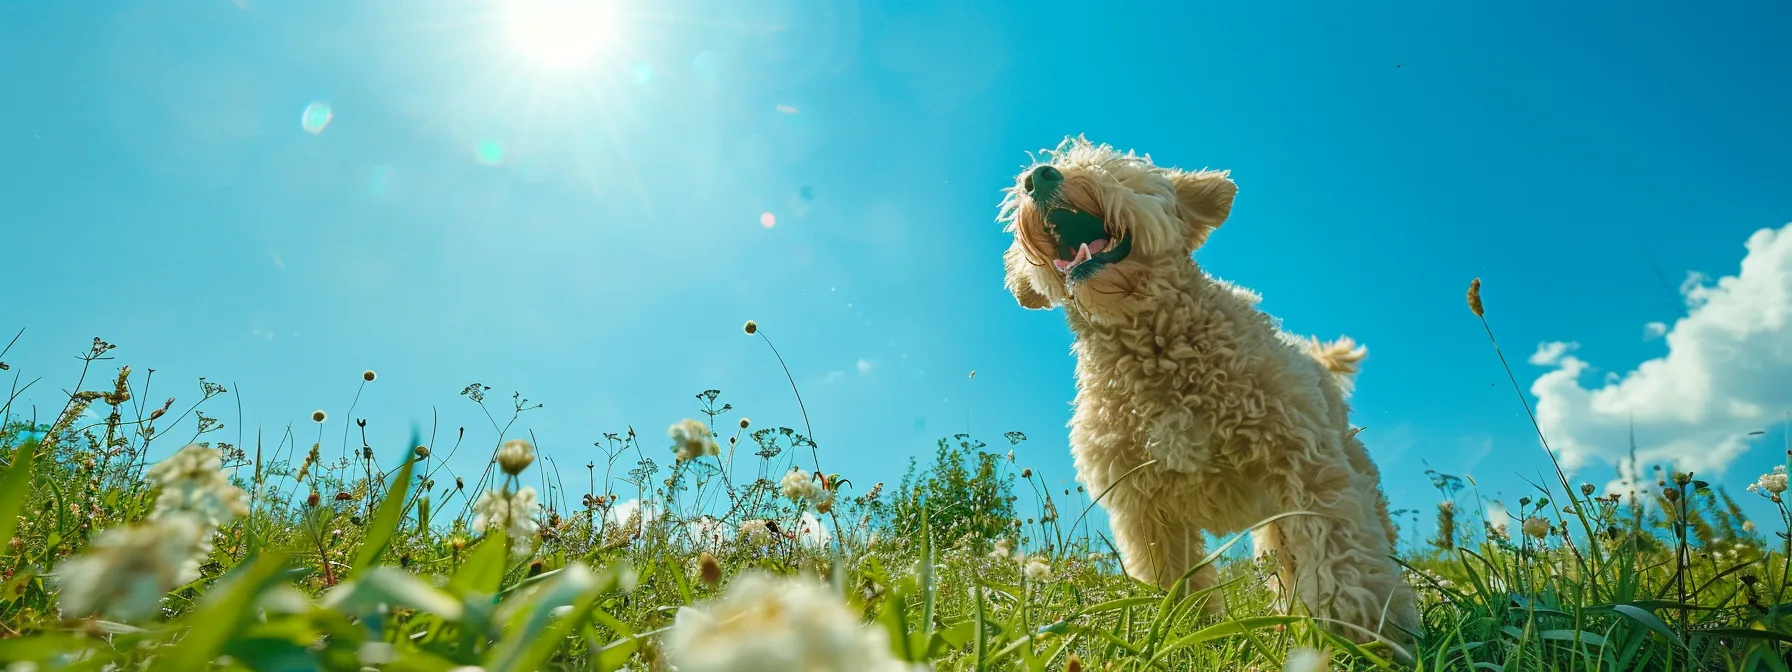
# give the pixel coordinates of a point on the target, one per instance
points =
(1203, 201)
(1014, 265)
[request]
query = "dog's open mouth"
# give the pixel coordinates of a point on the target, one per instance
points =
(1084, 245)
(1085, 253)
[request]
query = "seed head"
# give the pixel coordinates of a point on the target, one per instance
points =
(312, 500)
(1673, 494)
(1073, 664)
(1474, 297)
(318, 415)
(709, 570)
(515, 456)
(1586, 489)
(752, 327)
(368, 375)
(421, 451)
(1026, 473)
(744, 423)
(1536, 528)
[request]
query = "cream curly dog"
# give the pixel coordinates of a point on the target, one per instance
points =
(1246, 421)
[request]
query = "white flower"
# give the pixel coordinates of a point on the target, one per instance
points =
(515, 456)
(1037, 570)
(811, 533)
(512, 512)
(691, 440)
(1772, 483)
(1002, 549)
(193, 482)
(756, 531)
(771, 624)
(798, 486)
(1306, 660)
(127, 570)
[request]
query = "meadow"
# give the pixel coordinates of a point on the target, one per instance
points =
(723, 543)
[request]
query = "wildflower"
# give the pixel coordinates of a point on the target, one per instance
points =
(769, 623)
(756, 531)
(193, 481)
(811, 533)
(1096, 557)
(1474, 297)
(1038, 570)
(1002, 549)
(751, 327)
(709, 570)
(367, 375)
(1536, 527)
(127, 570)
(1026, 473)
(691, 440)
(515, 456)
(1772, 483)
(824, 500)
(421, 452)
(512, 512)
(1586, 489)
(318, 415)
(1306, 659)
(798, 486)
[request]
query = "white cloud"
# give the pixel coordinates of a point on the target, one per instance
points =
(620, 513)
(864, 367)
(1550, 353)
(1654, 330)
(1727, 372)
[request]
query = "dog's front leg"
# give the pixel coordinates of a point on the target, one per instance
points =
(1158, 544)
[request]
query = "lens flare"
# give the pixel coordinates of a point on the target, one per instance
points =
(317, 116)
(490, 153)
(768, 220)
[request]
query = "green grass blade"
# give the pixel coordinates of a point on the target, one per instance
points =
(15, 486)
(385, 522)
(211, 626)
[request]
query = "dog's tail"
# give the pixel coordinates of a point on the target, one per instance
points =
(1342, 357)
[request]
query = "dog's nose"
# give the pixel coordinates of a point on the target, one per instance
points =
(1043, 179)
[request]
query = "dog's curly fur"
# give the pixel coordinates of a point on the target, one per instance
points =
(1245, 421)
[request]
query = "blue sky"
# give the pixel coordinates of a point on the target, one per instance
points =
(592, 236)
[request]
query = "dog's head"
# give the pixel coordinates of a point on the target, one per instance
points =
(1088, 217)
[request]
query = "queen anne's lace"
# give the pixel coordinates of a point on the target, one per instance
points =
(513, 512)
(767, 624)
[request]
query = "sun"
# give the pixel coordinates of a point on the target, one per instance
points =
(560, 33)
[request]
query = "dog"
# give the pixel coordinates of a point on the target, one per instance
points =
(1243, 420)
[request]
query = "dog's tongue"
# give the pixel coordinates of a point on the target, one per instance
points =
(1083, 253)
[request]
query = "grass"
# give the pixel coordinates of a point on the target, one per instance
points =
(371, 558)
